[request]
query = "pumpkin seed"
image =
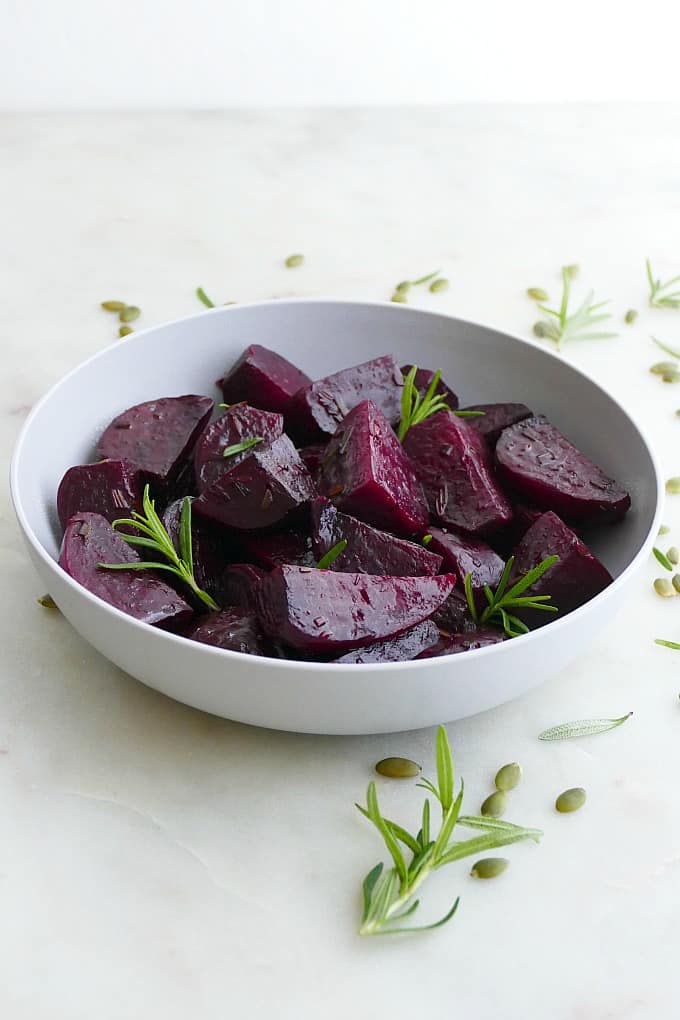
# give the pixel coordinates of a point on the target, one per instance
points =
(537, 294)
(399, 298)
(438, 285)
(664, 529)
(47, 602)
(673, 554)
(489, 867)
(508, 777)
(294, 260)
(571, 800)
(113, 306)
(125, 330)
(403, 287)
(540, 330)
(494, 805)
(398, 768)
(571, 271)
(664, 588)
(630, 316)
(663, 367)
(130, 313)
(675, 581)
(673, 486)
(671, 377)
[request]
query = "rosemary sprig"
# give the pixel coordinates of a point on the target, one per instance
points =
(504, 599)
(331, 556)
(662, 558)
(582, 728)
(666, 348)
(388, 894)
(203, 297)
(416, 407)
(154, 536)
(563, 326)
(658, 290)
(247, 444)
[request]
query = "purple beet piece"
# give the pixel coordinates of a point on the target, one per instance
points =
(277, 550)
(408, 645)
(367, 474)
(158, 437)
(88, 540)
(240, 422)
(328, 612)
(451, 644)
(313, 456)
(453, 462)
(112, 488)
(261, 490)
(424, 377)
(454, 614)
(577, 577)
(239, 583)
(461, 555)
(318, 408)
(263, 378)
(208, 550)
(546, 470)
(368, 551)
(497, 417)
(235, 629)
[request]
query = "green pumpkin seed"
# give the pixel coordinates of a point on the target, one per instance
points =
(437, 285)
(664, 529)
(489, 867)
(539, 330)
(508, 777)
(294, 260)
(671, 377)
(130, 313)
(398, 768)
(47, 602)
(630, 316)
(403, 287)
(663, 367)
(113, 306)
(673, 554)
(664, 588)
(399, 298)
(571, 271)
(675, 581)
(673, 486)
(571, 800)
(537, 294)
(125, 330)
(494, 805)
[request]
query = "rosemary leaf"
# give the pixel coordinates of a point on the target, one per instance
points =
(664, 347)
(663, 559)
(660, 293)
(247, 444)
(331, 556)
(582, 728)
(203, 297)
(563, 326)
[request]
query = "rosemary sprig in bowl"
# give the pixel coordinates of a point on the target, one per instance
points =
(496, 612)
(416, 407)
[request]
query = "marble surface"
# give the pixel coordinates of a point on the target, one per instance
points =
(157, 862)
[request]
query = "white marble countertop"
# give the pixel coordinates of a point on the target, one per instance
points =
(157, 862)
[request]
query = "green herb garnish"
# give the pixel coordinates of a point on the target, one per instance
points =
(663, 559)
(426, 539)
(563, 326)
(155, 537)
(416, 408)
(658, 290)
(582, 728)
(247, 444)
(203, 297)
(331, 556)
(503, 599)
(668, 644)
(664, 347)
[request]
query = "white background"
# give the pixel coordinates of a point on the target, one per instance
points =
(175, 54)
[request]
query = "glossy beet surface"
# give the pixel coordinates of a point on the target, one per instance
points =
(321, 611)
(546, 470)
(461, 556)
(157, 436)
(89, 540)
(236, 629)
(112, 488)
(263, 378)
(576, 578)
(408, 645)
(318, 408)
(451, 644)
(239, 583)
(208, 549)
(367, 474)
(424, 377)
(313, 456)
(497, 417)
(261, 490)
(453, 462)
(237, 424)
(454, 614)
(277, 549)
(368, 550)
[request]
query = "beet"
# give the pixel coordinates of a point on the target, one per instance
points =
(88, 540)
(497, 417)
(548, 471)
(453, 462)
(208, 550)
(277, 550)
(332, 613)
(367, 474)
(454, 614)
(158, 437)
(368, 551)
(261, 490)
(576, 578)
(239, 583)
(461, 556)
(408, 645)
(451, 644)
(240, 422)
(424, 377)
(318, 408)
(313, 456)
(263, 378)
(112, 488)
(236, 629)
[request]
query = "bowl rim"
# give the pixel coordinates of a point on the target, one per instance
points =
(329, 668)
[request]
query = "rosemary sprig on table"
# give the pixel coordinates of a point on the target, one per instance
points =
(153, 535)
(563, 326)
(416, 407)
(582, 728)
(496, 612)
(659, 296)
(388, 894)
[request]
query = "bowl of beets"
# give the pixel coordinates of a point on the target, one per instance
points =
(334, 517)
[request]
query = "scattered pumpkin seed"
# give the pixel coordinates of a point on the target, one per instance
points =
(403, 287)
(572, 271)
(540, 330)
(437, 285)
(508, 777)
(125, 330)
(495, 804)
(675, 581)
(673, 486)
(664, 529)
(399, 298)
(673, 554)
(113, 306)
(664, 588)
(294, 260)
(663, 367)
(398, 768)
(630, 316)
(489, 867)
(671, 377)
(47, 602)
(538, 294)
(571, 800)
(130, 313)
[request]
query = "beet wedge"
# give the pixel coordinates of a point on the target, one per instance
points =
(321, 611)
(367, 474)
(259, 492)
(89, 540)
(158, 437)
(239, 583)
(451, 644)
(112, 488)
(546, 470)
(402, 648)
(263, 378)
(318, 408)
(235, 629)
(368, 550)
(454, 614)
(577, 577)
(424, 377)
(293, 548)
(497, 417)
(463, 555)
(452, 461)
(240, 423)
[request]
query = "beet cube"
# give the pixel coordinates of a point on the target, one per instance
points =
(235, 629)
(313, 456)
(208, 550)
(451, 644)
(112, 488)
(424, 377)
(497, 417)
(238, 585)
(408, 645)
(240, 422)
(277, 550)
(461, 556)
(263, 378)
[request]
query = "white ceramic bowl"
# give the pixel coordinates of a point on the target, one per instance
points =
(481, 364)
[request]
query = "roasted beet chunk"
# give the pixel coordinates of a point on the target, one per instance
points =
(313, 456)
(548, 471)
(497, 417)
(271, 482)
(368, 551)
(321, 611)
(367, 474)
(424, 377)
(573, 580)
(408, 645)
(318, 408)
(89, 540)
(461, 556)
(454, 464)
(239, 583)
(158, 437)
(241, 422)
(207, 549)
(454, 614)
(451, 644)
(277, 550)
(235, 629)
(263, 378)
(112, 488)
